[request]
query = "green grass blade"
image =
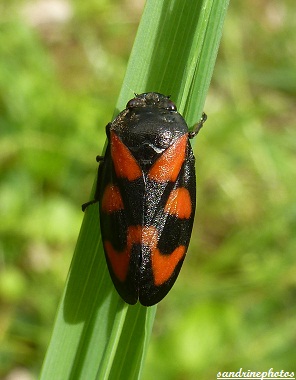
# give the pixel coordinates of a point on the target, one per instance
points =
(96, 335)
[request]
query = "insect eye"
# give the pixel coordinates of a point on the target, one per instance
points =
(171, 106)
(132, 103)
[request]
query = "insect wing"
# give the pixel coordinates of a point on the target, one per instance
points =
(169, 221)
(121, 205)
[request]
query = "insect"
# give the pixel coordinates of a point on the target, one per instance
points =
(146, 193)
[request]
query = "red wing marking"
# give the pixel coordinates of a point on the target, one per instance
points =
(125, 164)
(164, 265)
(179, 203)
(111, 200)
(169, 164)
(120, 259)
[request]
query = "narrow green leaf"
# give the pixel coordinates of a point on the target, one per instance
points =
(96, 335)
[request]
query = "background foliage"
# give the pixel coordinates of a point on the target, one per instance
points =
(60, 72)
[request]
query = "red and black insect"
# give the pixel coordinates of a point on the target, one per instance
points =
(146, 192)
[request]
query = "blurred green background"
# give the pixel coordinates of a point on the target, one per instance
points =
(61, 68)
